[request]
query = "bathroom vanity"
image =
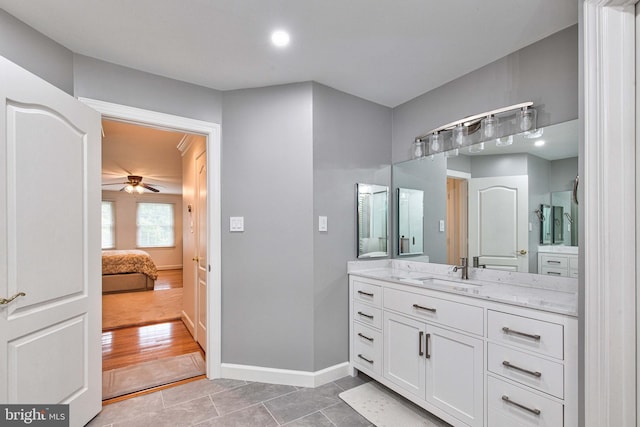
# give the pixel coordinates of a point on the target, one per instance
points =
(498, 349)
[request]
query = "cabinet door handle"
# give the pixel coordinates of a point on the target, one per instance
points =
(517, 368)
(526, 408)
(433, 310)
(420, 335)
(553, 262)
(553, 273)
(365, 359)
(368, 316)
(4, 301)
(365, 337)
(522, 334)
(366, 293)
(426, 342)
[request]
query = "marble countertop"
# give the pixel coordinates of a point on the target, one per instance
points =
(552, 294)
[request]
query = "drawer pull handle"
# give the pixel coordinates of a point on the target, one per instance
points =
(366, 293)
(522, 334)
(553, 262)
(368, 316)
(554, 273)
(433, 310)
(420, 335)
(526, 408)
(517, 368)
(365, 337)
(426, 351)
(365, 359)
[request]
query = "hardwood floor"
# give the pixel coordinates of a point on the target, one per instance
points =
(136, 344)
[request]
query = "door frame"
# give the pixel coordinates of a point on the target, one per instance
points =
(211, 131)
(608, 196)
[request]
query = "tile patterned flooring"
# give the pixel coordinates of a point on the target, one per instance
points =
(226, 403)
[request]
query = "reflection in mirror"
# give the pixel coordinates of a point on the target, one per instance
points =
(545, 227)
(372, 220)
(410, 208)
(483, 201)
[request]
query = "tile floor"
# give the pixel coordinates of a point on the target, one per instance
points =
(227, 403)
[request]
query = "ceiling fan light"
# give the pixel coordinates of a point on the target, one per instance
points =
(128, 188)
(139, 189)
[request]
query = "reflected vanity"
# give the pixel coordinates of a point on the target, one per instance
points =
(487, 200)
(372, 219)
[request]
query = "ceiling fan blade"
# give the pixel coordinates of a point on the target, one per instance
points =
(148, 187)
(122, 189)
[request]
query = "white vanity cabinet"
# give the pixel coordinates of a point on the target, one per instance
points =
(470, 361)
(558, 264)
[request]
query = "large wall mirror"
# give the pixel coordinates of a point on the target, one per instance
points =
(486, 199)
(372, 212)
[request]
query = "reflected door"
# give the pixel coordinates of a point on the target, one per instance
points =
(498, 222)
(50, 238)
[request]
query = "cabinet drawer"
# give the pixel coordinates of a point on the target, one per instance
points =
(368, 315)
(533, 371)
(573, 273)
(460, 316)
(530, 334)
(554, 261)
(366, 292)
(367, 346)
(573, 262)
(534, 410)
(551, 271)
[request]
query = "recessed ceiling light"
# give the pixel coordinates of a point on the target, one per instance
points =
(539, 143)
(280, 38)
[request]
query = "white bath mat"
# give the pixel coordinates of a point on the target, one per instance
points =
(386, 409)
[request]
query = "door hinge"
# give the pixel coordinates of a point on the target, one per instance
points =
(209, 267)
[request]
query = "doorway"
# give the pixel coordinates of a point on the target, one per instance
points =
(457, 213)
(211, 134)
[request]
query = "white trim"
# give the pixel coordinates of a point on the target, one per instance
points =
(609, 214)
(285, 376)
(156, 119)
(458, 174)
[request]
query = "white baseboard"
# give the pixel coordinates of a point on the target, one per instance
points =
(169, 267)
(285, 376)
(189, 323)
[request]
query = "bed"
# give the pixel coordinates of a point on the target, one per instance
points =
(127, 270)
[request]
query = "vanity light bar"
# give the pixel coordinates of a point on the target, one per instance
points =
(472, 119)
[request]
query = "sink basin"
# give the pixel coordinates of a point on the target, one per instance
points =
(453, 285)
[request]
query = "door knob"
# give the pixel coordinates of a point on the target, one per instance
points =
(4, 301)
(523, 252)
(195, 258)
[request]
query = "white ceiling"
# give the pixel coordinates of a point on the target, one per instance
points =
(386, 51)
(129, 149)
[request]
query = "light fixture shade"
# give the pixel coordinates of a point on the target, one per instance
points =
(504, 141)
(418, 149)
(129, 188)
(458, 135)
(476, 148)
(526, 119)
(435, 142)
(139, 189)
(533, 134)
(489, 126)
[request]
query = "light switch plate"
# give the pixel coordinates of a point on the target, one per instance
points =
(442, 225)
(322, 223)
(236, 223)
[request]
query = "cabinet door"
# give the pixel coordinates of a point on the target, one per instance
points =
(454, 373)
(404, 365)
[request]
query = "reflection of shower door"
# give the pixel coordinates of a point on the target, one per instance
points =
(498, 222)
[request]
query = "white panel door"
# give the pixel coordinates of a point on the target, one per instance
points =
(202, 269)
(404, 353)
(498, 222)
(50, 335)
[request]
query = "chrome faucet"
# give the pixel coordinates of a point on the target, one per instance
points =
(464, 266)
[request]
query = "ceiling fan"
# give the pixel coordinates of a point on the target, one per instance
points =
(134, 184)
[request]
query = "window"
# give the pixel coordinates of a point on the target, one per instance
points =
(155, 225)
(108, 225)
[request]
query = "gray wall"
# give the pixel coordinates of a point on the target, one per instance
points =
(121, 85)
(498, 165)
(351, 143)
(545, 72)
(36, 52)
(562, 174)
(267, 270)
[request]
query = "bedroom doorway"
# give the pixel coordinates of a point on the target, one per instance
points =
(208, 224)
